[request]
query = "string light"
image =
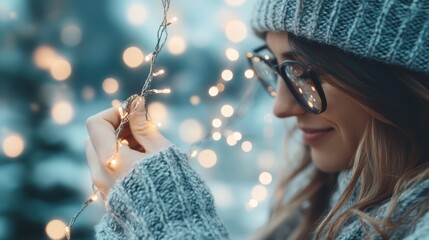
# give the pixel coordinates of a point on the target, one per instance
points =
(133, 57)
(159, 73)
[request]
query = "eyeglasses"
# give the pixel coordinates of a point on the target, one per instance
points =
(301, 80)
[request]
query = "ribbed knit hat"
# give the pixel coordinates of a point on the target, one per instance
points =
(391, 31)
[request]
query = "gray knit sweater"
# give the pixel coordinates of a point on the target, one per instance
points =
(164, 198)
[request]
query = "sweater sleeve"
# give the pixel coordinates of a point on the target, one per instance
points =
(161, 198)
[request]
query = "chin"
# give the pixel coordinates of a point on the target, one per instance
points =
(328, 164)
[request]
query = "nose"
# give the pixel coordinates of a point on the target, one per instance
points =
(285, 104)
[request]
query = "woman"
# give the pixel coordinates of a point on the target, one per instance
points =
(355, 77)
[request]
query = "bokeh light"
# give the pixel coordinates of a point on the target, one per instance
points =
(265, 178)
(136, 14)
(56, 229)
(249, 73)
(207, 158)
(237, 136)
(71, 35)
(88, 93)
(195, 100)
(235, 2)
(216, 135)
(60, 69)
(217, 123)
(259, 192)
(231, 140)
(13, 145)
(176, 45)
(110, 85)
(62, 112)
(227, 110)
(246, 146)
(133, 57)
(227, 75)
(158, 112)
(220, 87)
(191, 136)
(213, 91)
(232, 54)
(236, 31)
(44, 56)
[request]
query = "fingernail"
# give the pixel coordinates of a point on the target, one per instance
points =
(141, 104)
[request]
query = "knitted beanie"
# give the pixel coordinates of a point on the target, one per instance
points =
(390, 31)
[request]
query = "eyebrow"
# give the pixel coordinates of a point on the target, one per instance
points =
(290, 55)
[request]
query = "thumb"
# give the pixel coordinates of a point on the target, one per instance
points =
(143, 130)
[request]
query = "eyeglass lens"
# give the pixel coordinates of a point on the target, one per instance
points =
(300, 83)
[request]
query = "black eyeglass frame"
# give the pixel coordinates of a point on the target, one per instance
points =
(280, 69)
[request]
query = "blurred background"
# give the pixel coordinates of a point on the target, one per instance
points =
(62, 61)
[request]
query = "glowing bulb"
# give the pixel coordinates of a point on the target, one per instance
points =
(232, 54)
(110, 85)
(133, 57)
(246, 146)
(56, 229)
(249, 73)
(13, 145)
(113, 163)
(172, 20)
(194, 153)
(227, 110)
(159, 73)
(62, 112)
(213, 91)
(207, 158)
(236, 31)
(149, 57)
(93, 198)
(265, 178)
(216, 123)
(162, 91)
(227, 75)
(60, 69)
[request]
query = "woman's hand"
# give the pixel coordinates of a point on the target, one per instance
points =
(108, 164)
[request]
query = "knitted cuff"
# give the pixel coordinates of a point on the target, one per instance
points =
(163, 197)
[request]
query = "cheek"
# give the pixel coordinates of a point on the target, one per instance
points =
(349, 120)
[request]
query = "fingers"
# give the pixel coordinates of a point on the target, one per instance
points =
(101, 128)
(97, 174)
(144, 131)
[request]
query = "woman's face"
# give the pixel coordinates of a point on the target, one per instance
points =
(334, 135)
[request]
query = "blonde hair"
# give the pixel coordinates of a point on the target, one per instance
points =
(393, 154)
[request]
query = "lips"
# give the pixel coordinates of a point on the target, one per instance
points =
(313, 135)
